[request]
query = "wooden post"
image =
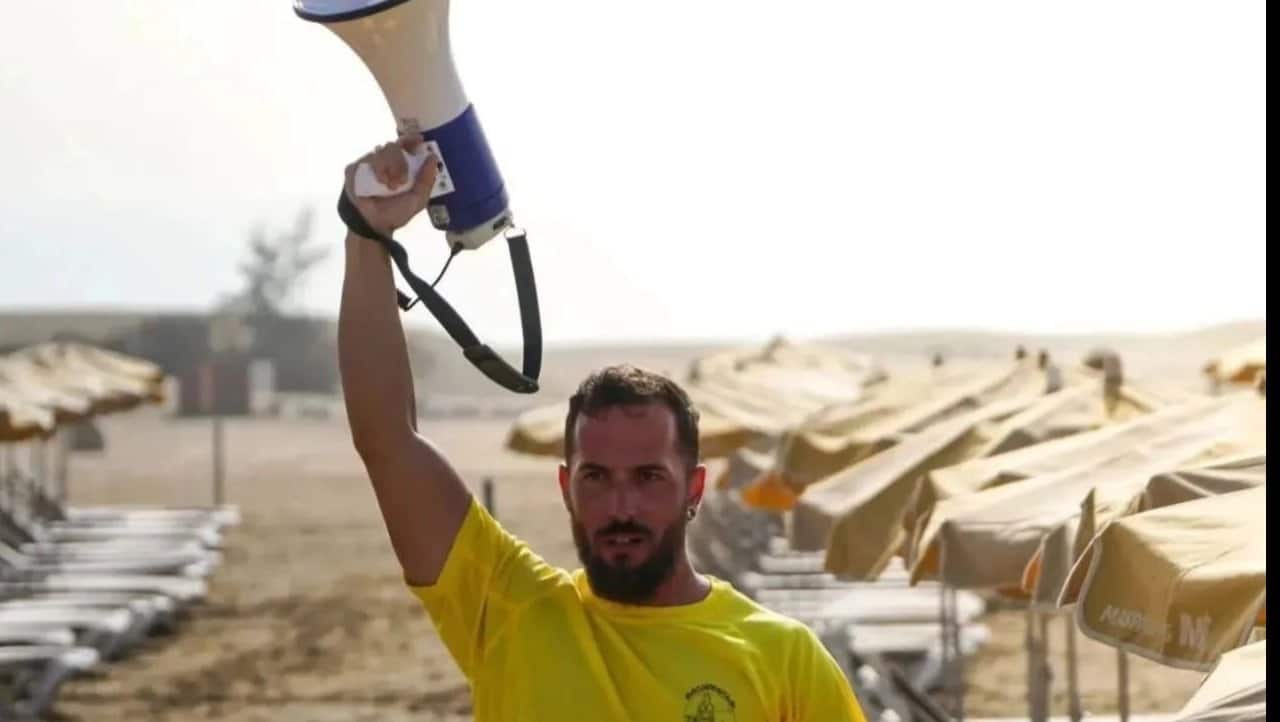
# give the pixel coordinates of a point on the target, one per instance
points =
(219, 466)
(209, 404)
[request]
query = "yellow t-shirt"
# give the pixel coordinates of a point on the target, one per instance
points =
(538, 646)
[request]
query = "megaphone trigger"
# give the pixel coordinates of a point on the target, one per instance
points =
(366, 183)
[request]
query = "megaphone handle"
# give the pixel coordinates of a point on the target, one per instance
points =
(480, 355)
(367, 184)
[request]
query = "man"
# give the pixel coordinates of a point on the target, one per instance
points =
(637, 635)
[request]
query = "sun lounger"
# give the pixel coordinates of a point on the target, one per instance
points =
(885, 606)
(224, 516)
(38, 672)
(184, 590)
(150, 563)
(37, 634)
(157, 610)
(110, 631)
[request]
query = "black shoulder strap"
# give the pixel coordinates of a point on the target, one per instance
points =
(483, 357)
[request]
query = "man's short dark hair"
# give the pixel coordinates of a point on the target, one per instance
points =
(627, 385)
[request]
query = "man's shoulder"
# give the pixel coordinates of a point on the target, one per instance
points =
(757, 620)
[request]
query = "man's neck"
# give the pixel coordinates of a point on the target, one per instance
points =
(684, 586)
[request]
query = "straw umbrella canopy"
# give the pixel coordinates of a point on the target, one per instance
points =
(1235, 691)
(21, 420)
(70, 367)
(34, 384)
(1179, 585)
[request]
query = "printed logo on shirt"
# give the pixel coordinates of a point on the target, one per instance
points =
(708, 703)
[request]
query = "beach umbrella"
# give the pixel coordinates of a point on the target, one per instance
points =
(68, 367)
(856, 515)
(985, 539)
(1050, 457)
(1181, 584)
(1243, 365)
(1047, 571)
(21, 420)
(815, 452)
(37, 386)
(740, 395)
(1235, 691)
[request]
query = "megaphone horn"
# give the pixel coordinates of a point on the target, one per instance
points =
(405, 46)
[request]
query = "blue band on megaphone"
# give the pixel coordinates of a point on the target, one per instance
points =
(479, 195)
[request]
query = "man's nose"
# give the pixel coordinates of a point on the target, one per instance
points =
(624, 502)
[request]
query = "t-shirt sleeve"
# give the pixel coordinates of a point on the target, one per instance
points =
(820, 690)
(488, 576)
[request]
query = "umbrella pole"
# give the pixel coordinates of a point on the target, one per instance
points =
(944, 618)
(61, 464)
(1122, 670)
(39, 461)
(956, 628)
(1036, 683)
(1073, 677)
(1046, 673)
(7, 470)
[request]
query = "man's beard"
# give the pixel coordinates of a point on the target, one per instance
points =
(633, 583)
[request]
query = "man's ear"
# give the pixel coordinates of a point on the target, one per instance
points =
(697, 485)
(564, 486)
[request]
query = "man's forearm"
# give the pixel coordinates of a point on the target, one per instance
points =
(373, 358)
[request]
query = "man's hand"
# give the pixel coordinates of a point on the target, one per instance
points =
(387, 214)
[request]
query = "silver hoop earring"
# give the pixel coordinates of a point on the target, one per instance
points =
(691, 512)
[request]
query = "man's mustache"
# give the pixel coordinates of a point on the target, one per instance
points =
(625, 527)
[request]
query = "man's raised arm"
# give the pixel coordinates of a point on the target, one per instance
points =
(423, 501)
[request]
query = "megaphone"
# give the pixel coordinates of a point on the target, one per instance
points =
(405, 46)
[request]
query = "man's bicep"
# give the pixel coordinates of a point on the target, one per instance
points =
(423, 503)
(487, 578)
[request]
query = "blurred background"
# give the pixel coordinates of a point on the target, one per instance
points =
(950, 233)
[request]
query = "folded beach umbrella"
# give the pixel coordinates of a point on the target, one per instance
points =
(1235, 691)
(1241, 365)
(740, 395)
(1076, 451)
(1047, 572)
(856, 515)
(984, 540)
(1180, 585)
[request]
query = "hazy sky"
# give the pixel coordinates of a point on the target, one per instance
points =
(690, 168)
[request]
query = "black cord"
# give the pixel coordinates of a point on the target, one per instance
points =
(457, 248)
